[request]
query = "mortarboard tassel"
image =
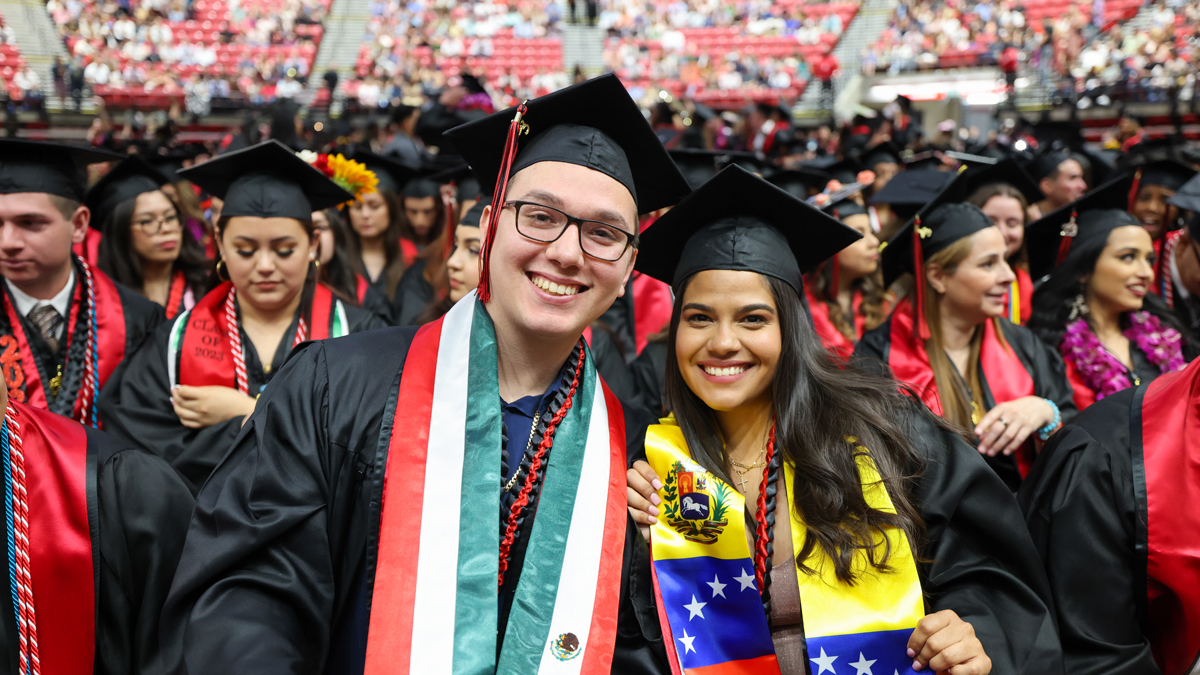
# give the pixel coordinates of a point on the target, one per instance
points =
(1069, 232)
(510, 152)
(920, 233)
(1133, 191)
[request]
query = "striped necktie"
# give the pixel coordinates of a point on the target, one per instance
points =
(48, 320)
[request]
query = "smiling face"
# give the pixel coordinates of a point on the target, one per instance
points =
(553, 291)
(463, 263)
(728, 340)
(977, 289)
(1124, 271)
(153, 212)
(1007, 215)
(267, 259)
(861, 258)
(1151, 209)
(369, 216)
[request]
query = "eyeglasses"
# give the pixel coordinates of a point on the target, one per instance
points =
(152, 226)
(546, 224)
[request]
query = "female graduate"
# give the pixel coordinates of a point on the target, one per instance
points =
(1005, 200)
(187, 391)
(874, 537)
(144, 245)
(377, 225)
(424, 280)
(946, 339)
(846, 295)
(335, 269)
(460, 274)
(1095, 308)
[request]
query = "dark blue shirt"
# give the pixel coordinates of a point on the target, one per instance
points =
(518, 421)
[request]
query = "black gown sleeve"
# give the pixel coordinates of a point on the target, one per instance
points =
(413, 295)
(978, 557)
(143, 510)
(610, 364)
(649, 373)
(138, 411)
(362, 318)
(1081, 511)
(376, 302)
(142, 316)
(875, 343)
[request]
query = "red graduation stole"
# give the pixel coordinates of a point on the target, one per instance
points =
(175, 294)
(1006, 375)
(409, 252)
(20, 366)
(360, 289)
(1170, 448)
(830, 335)
(89, 248)
(60, 539)
(1023, 288)
(1080, 391)
(206, 354)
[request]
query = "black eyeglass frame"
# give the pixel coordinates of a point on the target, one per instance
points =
(630, 238)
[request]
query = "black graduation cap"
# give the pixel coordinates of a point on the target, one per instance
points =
(764, 230)
(1050, 240)
(267, 181)
(171, 162)
(915, 189)
(1170, 173)
(126, 180)
(1007, 171)
(841, 205)
(464, 178)
(1159, 163)
(593, 124)
(974, 160)
(52, 168)
(841, 170)
(697, 166)
(391, 173)
(1187, 198)
(422, 188)
(929, 160)
(886, 152)
(800, 181)
(474, 215)
(750, 161)
(1046, 161)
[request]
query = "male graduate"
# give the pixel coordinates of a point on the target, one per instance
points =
(1111, 505)
(65, 326)
(452, 499)
(93, 532)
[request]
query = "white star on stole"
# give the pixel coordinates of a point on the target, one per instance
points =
(687, 641)
(746, 580)
(718, 588)
(695, 609)
(863, 666)
(825, 662)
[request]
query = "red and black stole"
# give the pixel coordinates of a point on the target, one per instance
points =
(1004, 372)
(25, 374)
(48, 457)
(1166, 471)
(175, 294)
(89, 248)
(209, 347)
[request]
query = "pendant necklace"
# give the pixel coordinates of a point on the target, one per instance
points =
(528, 444)
(743, 469)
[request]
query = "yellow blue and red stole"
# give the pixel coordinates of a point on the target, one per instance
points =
(709, 605)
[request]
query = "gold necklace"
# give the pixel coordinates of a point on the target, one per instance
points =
(743, 469)
(528, 444)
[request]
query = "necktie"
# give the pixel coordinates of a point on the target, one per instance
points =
(48, 320)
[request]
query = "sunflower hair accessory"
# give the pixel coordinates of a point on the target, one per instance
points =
(352, 176)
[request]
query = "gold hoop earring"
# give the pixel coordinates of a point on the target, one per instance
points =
(221, 265)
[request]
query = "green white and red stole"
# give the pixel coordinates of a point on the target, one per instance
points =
(1166, 469)
(49, 541)
(205, 346)
(93, 350)
(435, 601)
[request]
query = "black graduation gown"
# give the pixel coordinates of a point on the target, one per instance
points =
(413, 295)
(1044, 365)
(375, 302)
(141, 318)
(1083, 513)
(286, 588)
(139, 410)
(141, 511)
(610, 364)
(649, 371)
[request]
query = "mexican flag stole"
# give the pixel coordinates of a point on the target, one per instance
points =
(710, 606)
(435, 599)
(199, 352)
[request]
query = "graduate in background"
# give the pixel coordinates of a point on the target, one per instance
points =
(145, 247)
(336, 270)
(65, 326)
(1060, 177)
(1179, 270)
(377, 226)
(1003, 192)
(187, 391)
(782, 431)
(1111, 507)
(1096, 307)
(95, 530)
(514, 467)
(947, 341)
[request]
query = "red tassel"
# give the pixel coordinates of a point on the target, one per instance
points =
(510, 152)
(1069, 232)
(760, 518)
(919, 273)
(1137, 183)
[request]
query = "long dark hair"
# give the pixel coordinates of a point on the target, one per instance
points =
(1055, 296)
(118, 260)
(874, 299)
(819, 405)
(394, 269)
(310, 277)
(339, 273)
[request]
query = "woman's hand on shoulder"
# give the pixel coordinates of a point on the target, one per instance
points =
(1008, 425)
(945, 643)
(641, 495)
(202, 407)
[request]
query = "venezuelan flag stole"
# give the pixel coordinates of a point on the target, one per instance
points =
(710, 607)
